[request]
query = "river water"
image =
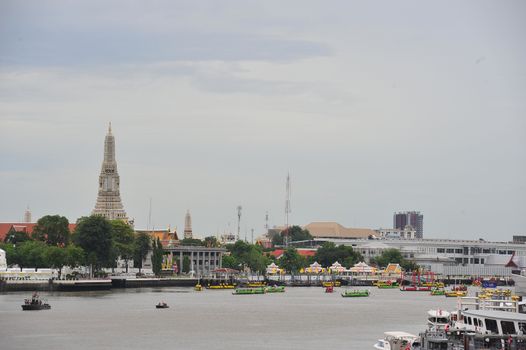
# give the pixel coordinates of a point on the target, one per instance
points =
(300, 318)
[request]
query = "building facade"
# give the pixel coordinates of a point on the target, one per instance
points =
(109, 202)
(409, 218)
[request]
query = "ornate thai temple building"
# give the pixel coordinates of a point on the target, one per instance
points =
(109, 202)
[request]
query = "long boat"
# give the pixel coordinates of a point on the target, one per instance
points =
(387, 285)
(221, 286)
(355, 293)
(415, 289)
(438, 291)
(456, 293)
(275, 289)
(249, 291)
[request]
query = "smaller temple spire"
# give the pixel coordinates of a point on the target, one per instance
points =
(188, 226)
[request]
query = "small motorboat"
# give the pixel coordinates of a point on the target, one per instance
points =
(355, 293)
(198, 288)
(35, 303)
(162, 305)
(329, 289)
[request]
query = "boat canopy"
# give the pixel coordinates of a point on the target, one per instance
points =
(400, 335)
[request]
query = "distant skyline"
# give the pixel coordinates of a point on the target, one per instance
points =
(371, 109)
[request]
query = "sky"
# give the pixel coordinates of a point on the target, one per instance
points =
(372, 107)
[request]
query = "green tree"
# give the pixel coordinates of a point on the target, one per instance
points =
(31, 254)
(246, 254)
(329, 253)
(56, 258)
(94, 235)
(292, 261)
(53, 230)
(141, 249)
(75, 256)
(186, 264)
(157, 257)
(295, 233)
(211, 242)
(123, 240)
(15, 237)
(230, 262)
(192, 241)
(388, 256)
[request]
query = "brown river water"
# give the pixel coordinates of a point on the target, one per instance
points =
(300, 318)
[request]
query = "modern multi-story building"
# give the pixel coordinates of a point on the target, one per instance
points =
(109, 202)
(409, 218)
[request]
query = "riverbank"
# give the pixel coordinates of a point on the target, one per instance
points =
(93, 284)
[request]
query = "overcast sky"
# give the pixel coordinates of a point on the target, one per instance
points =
(373, 107)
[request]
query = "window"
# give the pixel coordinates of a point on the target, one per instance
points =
(477, 260)
(522, 327)
(482, 261)
(510, 252)
(468, 319)
(476, 322)
(441, 250)
(458, 251)
(450, 250)
(486, 251)
(508, 327)
(491, 325)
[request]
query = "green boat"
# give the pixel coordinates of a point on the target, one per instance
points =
(438, 292)
(275, 289)
(355, 293)
(246, 291)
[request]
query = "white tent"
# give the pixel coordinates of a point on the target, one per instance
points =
(362, 267)
(314, 268)
(337, 268)
(273, 269)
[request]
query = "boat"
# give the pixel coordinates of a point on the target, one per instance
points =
(355, 293)
(198, 288)
(438, 291)
(331, 284)
(35, 303)
(456, 293)
(249, 291)
(461, 288)
(256, 284)
(221, 286)
(275, 289)
(387, 284)
(414, 288)
(329, 289)
(397, 341)
(162, 305)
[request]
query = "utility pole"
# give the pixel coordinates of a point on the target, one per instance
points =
(252, 240)
(238, 220)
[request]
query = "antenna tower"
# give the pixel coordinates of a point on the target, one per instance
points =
(287, 211)
(238, 220)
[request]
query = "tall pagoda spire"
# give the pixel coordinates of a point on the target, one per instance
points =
(188, 225)
(109, 202)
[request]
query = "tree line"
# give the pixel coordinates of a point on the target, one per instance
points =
(96, 242)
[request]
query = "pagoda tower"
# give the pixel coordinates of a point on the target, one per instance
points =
(188, 225)
(109, 202)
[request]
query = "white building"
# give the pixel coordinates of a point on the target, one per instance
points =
(445, 256)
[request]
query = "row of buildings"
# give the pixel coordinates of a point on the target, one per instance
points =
(449, 257)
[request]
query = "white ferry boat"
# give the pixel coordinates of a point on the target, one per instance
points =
(397, 341)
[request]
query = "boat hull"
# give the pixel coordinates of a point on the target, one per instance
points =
(30, 307)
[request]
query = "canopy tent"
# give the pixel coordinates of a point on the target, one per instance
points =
(314, 268)
(362, 267)
(337, 268)
(273, 269)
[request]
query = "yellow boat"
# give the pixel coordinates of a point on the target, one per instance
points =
(331, 284)
(256, 284)
(221, 286)
(198, 287)
(456, 293)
